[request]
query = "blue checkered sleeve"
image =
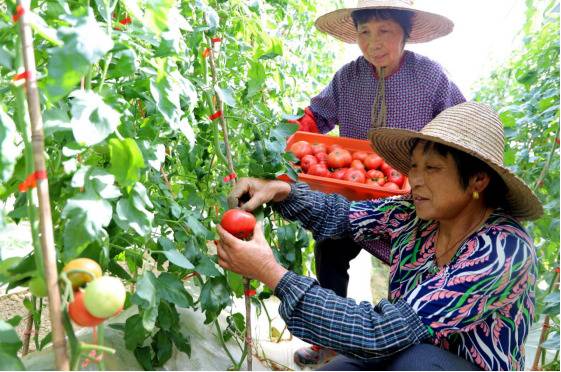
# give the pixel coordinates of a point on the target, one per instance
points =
(320, 317)
(325, 215)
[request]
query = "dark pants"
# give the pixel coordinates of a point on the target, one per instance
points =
(332, 263)
(420, 357)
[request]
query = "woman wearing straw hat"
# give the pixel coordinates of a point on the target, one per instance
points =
(463, 268)
(386, 86)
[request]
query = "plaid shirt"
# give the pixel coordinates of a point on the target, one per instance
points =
(317, 315)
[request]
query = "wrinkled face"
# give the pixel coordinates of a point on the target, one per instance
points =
(435, 185)
(381, 42)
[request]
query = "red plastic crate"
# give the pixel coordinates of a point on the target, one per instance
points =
(351, 190)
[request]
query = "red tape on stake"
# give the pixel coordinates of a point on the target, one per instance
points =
(216, 39)
(250, 292)
(21, 76)
(216, 115)
(230, 177)
(19, 12)
(126, 21)
(206, 52)
(31, 180)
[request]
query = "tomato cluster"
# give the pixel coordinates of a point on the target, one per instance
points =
(102, 297)
(338, 163)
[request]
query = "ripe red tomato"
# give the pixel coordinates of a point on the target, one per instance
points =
(357, 164)
(360, 155)
(319, 147)
(81, 271)
(386, 168)
(339, 174)
(238, 223)
(79, 314)
(390, 186)
(105, 296)
(333, 147)
(322, 157)
(339, 158)
(301, 149)
(374, 174)
(355, 175)
(308, 161)
(373, 161)
(395, 177)
(319, 170)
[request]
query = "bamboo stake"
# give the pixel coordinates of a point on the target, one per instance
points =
(27, 334)
(545, 328)
(219, 106)
(45, 219)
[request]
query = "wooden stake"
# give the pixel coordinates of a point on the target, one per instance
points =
(545, 328)
(45, 219)
(219, 106)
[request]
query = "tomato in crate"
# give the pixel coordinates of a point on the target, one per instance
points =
(356, 181)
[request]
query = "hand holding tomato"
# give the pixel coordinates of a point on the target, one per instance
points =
(259, 191)
(252, 258)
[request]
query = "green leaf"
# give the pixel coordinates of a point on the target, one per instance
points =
(8, 150)
(131, 212)
(166, 95)
(10, 362)
(9, 340)
(162, 346)
(126, 160)
(85, 43)
(181, 342)
(123, 64)
(173, 255)
(86, 216)
(198, 228)
(206, 266)
(153, 154)
(147, 298)
(257, 76)
(168, 317)
(171, 289)
(103, 183)
(92, 119)
(552, 342)
(6, 58)
(144, 357)
(156, 14)
(214, 298)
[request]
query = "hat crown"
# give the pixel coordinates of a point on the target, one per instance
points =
(388, 3)
(472, 125)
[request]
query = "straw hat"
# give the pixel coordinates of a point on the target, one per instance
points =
(426, 26)
(470, 127)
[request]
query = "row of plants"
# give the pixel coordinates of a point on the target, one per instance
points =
(135, 96)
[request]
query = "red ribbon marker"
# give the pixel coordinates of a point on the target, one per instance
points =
(126, 21)
(19, 12)
(21, 76)
(216, 115)
(216, 39)
(31, 180)
(250, 292)
(230, 177)
(206, 52)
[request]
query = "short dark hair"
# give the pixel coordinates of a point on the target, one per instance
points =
(403, 17)
(468, 166)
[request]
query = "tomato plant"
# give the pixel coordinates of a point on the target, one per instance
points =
(238, 223)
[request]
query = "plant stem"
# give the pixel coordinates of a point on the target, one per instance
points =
(547, 164)
(223, 344)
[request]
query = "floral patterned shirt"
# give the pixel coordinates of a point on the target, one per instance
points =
(479, 306)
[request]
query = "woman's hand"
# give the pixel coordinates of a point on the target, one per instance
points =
(253, 259)
(259, 191)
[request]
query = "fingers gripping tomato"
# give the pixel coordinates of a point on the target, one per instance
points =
(81, 271)
(79, 314)
(105, 296)
(238, 223)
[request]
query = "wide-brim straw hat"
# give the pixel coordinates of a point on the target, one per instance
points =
(426, 26)
(473, 128)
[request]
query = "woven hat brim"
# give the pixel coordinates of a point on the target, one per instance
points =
(394, 145)
(426, 26)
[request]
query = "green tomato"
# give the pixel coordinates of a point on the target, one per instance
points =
(38, 287)
(105, 296)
